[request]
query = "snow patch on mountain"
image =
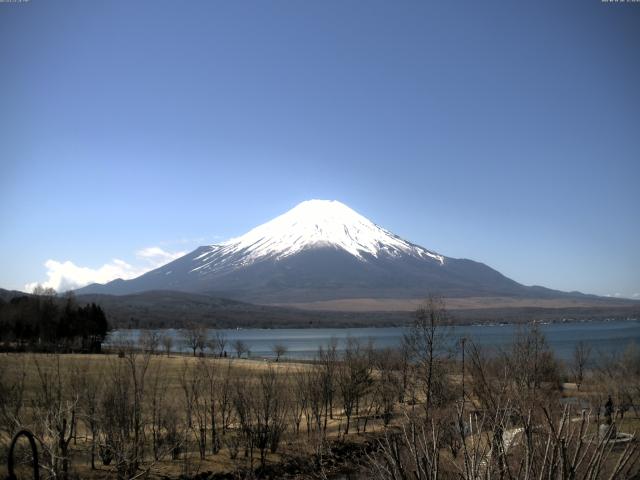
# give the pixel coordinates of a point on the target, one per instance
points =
(310, 224)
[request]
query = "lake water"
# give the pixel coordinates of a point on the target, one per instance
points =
(604, 337)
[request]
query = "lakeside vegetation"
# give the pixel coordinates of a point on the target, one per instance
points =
(417, 412)
(45, 322)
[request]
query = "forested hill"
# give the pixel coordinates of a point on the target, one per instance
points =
(49, 322)
(168, 309)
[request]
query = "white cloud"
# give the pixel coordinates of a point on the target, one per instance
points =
(620, 295)
(66, 275)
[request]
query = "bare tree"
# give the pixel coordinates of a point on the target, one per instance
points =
(158, 407)
(262, 412)
(149, 341)
(195, 338)
(164, 425)
(405, 367)
(202, 407)
(630, 375)
(299, 398)
(199, 385)
(188, 387)
(354, 379)
(167, 343)
(531, 360)
(272, 412)
(12, 391)
(213, 385)
(243, 398)
(224, 397)
(581, 355)
(56, 414)
(218, 344)
(316, 387)
(411, 453)
(123, 422)
(425, 343)
(328, 358)
(240, 347)
(279, 349)
(388, 383)
(89, 385)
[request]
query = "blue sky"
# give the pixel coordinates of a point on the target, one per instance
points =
(505, 132)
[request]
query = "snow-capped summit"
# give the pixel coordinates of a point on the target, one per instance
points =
(313, 223)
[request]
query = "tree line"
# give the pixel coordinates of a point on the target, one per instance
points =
(45, 322)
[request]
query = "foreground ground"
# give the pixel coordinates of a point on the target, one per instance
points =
(170, 371)
(149, 415)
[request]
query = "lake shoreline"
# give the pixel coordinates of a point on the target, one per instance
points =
(302, 343)
(457, 322)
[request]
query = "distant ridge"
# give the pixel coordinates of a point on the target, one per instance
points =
(171, 309)
(167, 309)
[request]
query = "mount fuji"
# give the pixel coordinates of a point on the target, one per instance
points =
(322, 251)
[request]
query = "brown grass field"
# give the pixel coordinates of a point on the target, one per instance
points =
(171, 368)
(295, 448)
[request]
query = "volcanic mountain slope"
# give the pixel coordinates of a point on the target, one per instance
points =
(322, 250)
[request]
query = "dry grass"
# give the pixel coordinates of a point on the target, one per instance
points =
(171, 368)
